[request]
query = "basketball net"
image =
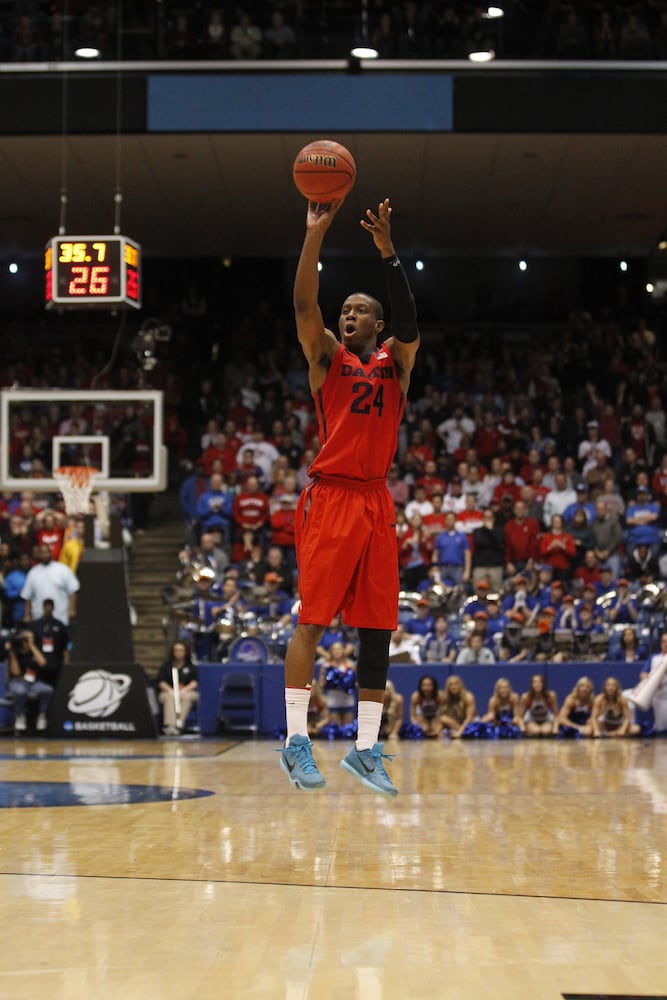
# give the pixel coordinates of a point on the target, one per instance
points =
(76, 485)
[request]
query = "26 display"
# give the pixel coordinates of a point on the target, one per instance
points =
(92, 272)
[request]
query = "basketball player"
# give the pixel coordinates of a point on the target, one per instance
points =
(345, 528)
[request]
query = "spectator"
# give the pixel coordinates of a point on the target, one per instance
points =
(437, 646)
(521, 540)
(503, 709)
(177, 669)
(475, 651)
(250, 512)
(575, 716)
(26, 680)
(245, 40)
(557, 549)
(52, 640)
(488, 552)
(49, 579)
(425, 707)
(641, 520)
(642, 565)
(538, 708)
(393, 711)
(337, 680)
(582, 537)
(558, 499)
(215, 506)
(452, 552)
(458, 707)
(402, 648)
(611, 712)
(624, 610)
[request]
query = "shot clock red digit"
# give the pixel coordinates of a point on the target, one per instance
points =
(92, 272)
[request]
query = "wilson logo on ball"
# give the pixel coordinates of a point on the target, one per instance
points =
(324, 171)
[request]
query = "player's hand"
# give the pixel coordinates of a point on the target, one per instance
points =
(320, 215)
(379, 226)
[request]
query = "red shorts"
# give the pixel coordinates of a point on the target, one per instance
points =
(347, 554)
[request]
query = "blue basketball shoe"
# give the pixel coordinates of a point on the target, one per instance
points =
(367, 766)
(297, 762)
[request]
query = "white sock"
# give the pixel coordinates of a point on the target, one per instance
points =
(296, 707)
(369, 717)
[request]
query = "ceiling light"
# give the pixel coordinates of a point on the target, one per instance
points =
(650, 287)
(87, 52)
(494, 12)
(419, 265)
(485, 55)
(523, 266)
(364, 52)
(623, 264)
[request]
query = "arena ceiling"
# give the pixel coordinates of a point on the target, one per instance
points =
(232, 195)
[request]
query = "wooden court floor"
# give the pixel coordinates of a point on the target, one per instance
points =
(504, 870)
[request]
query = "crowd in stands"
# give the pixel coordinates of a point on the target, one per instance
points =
(36, 31)
(530, 486)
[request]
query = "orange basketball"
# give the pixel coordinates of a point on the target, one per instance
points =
(324, 171)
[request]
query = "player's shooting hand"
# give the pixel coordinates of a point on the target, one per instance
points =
(320, 216)
(379, 226)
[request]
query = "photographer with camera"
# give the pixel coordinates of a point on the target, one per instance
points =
(26, 667)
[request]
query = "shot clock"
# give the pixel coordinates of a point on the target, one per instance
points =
(101, 272)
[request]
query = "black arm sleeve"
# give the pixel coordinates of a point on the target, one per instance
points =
(401, 302)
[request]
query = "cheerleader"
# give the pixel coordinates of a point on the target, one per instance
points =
(538, 708)
(574, 718)
(611, 712)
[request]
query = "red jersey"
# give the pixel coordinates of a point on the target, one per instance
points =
(359, 408)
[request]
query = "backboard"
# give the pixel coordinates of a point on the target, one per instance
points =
(119, 432)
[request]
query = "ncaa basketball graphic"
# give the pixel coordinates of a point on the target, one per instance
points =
(98, 693)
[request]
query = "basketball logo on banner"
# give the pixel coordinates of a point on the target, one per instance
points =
(98, 693)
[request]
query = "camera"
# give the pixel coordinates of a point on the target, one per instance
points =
(19, 640)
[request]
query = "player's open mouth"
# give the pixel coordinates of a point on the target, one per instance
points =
(350, 330)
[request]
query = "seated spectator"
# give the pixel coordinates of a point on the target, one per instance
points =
(26, 680)
(512, 647)
(425, 707)
(575, 716)
(179, 669)
(458, 707)
(393, 712)
(624, 610)
(474, 651)
(611, 712)
(250, 512)
(642, 565)
(629, 649)
(588, 573)
(422, 622)
(337, 680)
(503, 711)
(403, 648)
(437, 646)
(538, 708)
(471, 517)
(336, 632)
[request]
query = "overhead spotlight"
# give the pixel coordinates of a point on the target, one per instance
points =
(362, 48)
(364, 52)
(320, 265)
(87, 52)
(523, 266)
(650, 287)
(227, 262)
(662, 245)
(493, 13)
(623, 265)
(482, 56)
(13, 267)
(419, 265)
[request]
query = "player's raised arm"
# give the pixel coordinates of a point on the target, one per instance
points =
(313, 336)
(404, 341)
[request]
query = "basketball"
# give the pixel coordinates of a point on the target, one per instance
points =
(324, 171)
